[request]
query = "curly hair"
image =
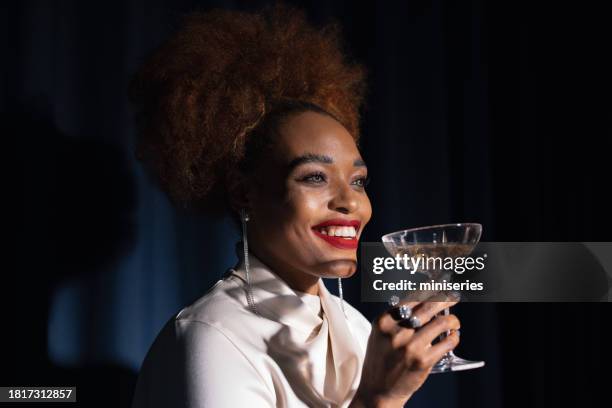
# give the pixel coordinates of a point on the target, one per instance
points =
(226, 77)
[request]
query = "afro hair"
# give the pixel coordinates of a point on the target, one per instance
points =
(202, 94)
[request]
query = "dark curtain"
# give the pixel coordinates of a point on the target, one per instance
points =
(491, 113)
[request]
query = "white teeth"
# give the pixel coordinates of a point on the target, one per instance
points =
(339, 231)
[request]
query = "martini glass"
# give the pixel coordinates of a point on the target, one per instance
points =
(446, 240)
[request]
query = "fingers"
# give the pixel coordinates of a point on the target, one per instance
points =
(388, 324)
(441, 324)
(402, 337)
(438, 350)
(425, 311)
(423, 337)
(424, 360)
(415, 344)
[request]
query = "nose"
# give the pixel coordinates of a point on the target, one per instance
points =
(344, 200)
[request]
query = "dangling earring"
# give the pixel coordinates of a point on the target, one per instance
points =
(341, 296)
(244, 217)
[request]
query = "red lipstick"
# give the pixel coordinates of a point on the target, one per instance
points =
(339, 242)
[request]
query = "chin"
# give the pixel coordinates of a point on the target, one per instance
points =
(339, 268)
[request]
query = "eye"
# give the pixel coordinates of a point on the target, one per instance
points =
(362, 181)
(314, 178)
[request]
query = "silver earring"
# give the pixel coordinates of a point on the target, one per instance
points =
(244, 217)
(341, 296)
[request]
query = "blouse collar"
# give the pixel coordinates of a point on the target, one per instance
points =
(276, 300)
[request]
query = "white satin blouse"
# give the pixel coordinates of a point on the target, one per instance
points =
(301, 352)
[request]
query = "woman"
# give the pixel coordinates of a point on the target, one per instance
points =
(258, 115)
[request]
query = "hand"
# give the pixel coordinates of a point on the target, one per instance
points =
(399, 359)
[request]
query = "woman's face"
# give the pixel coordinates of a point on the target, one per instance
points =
(308, 202)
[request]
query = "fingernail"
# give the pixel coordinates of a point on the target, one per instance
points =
(454, 295)
(394, 301)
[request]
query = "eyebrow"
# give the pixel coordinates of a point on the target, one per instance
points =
(318, 158)
(359, 163)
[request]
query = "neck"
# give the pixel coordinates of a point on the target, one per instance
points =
(295, 279)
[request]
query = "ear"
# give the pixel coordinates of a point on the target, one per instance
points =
(238, 191)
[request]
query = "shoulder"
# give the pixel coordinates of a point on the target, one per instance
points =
(223, 299)
(222, 309)
(222, 318)
(196, 356)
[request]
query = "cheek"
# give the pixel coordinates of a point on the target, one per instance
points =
(291, 212)
(366, 209)
(306, 208)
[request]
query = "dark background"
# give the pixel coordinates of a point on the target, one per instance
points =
(492, 113)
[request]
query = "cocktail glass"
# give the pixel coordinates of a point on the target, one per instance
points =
(446, 240)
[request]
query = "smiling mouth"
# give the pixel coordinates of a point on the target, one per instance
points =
(340, 234)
